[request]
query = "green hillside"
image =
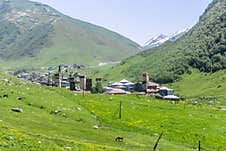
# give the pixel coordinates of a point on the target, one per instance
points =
(206, 87)
(202, 48)
(56, 119)
(34, 34)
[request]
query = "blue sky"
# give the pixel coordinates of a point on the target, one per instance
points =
(138, 20)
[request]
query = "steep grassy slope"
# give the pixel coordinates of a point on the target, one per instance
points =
(208, 87)
(35, 34)
(55, 118)
(203, 47)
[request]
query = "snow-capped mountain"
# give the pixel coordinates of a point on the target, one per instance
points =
(178, 34)
(156, 41)
(161, 39)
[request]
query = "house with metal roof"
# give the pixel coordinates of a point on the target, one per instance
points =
(123, 85)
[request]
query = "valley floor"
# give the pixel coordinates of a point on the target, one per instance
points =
(56, 119)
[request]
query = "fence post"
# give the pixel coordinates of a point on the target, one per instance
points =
(199, 147)
(120, 110)
(156, 144)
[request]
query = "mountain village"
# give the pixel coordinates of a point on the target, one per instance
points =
(80, 83)
(71, 83)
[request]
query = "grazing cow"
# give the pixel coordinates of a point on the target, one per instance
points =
(119, 139)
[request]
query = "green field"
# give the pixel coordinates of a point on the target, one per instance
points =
(41, 127)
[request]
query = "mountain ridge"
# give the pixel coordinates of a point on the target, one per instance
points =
(41, 35)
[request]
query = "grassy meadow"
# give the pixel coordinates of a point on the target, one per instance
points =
(207, 88)
(57, 119)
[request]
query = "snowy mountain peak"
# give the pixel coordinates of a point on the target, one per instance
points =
(156, 41)
(161, 39)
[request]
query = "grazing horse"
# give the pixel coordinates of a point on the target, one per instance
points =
(119, 139)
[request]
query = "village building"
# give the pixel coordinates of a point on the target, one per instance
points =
(152, 87)
(65, 84)
(164, 91)
(167, 94)
(82, 82)
(88, 84)
(123, 85)
(24, 76)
